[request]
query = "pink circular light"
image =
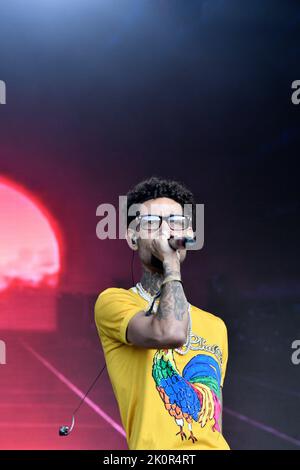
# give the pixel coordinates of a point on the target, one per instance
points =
(29, 247)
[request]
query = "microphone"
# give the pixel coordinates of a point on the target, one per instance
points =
(181, 243)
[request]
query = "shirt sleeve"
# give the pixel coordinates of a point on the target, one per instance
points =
(114, 309)
(224, 353)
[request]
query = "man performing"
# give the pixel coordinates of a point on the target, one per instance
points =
(166, 358)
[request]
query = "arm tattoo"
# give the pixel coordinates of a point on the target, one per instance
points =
(172, 301)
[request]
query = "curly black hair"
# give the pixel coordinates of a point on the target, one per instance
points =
(156, 187)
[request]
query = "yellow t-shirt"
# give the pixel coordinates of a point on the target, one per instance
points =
(158, 391)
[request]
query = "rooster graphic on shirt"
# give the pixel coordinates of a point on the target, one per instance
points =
(194, 395)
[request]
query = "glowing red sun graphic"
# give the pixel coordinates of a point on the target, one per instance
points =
(29, 247)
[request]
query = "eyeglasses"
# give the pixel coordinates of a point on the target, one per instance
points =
(152, 222)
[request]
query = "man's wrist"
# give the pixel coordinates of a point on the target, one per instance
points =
(171, 267)
(171, 278)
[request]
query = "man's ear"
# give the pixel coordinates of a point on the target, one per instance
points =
(132, 239)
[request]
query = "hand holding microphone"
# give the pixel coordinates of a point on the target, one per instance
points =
(180, 243)
(168, 249)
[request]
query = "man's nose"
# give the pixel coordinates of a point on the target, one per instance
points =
(164, 230)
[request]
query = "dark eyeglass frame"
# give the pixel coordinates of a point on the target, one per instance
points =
(167, 219)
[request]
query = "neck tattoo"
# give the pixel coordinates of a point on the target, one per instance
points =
(151, 282)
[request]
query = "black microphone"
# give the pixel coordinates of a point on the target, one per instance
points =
(181, 243)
